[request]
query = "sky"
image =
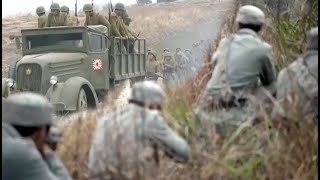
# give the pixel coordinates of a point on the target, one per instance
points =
(13, 7)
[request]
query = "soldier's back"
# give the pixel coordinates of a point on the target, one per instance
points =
(301, 77)
(118, 131)
(243, 56)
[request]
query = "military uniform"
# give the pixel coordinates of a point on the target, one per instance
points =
(301, 77)
(55, 18)
(94, 18)
(169, 68)
(21, 159)
(42, 19)
(134, 130)
(243, 67)
(152, 67)
(71, 20)
(181, 60)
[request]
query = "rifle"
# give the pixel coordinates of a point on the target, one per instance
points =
(110, 9)
(76, 9)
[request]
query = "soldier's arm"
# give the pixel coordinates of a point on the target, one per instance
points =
(28, 161)
(132, 33)
(169, 141)
(86, 22)
(268, 74)
(114, 27)
(40, 23)
(104, 21)
(43, 23)
(56, 166)
(66, 20)
(123, 29)
(48, 23)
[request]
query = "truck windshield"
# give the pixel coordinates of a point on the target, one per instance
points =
(70, 40)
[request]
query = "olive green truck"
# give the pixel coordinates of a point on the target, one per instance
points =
(74, 67)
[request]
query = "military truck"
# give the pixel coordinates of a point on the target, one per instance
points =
(74, 67)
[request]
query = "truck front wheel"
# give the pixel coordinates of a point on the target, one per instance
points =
(82, 100)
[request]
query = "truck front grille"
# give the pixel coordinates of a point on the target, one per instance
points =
(29, 77)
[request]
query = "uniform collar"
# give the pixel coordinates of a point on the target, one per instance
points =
(247, 31)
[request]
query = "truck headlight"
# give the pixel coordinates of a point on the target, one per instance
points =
(10, 83)
(53, 80)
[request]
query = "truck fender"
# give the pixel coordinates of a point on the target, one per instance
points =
(67, 93)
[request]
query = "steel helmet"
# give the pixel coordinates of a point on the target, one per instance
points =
(28, 110)
(249, 14)
(147, 92)
(87, 8)
(55, 6)
(40, 10)
(153, 52)
(64, 9)
(119, 6)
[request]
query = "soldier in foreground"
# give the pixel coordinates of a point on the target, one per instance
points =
(55, 18)
(241, 61)
(72, 20)
(301, 77)
(26, 121)
(42, 18)
(93, 18)
(123, 138)
(152, 67)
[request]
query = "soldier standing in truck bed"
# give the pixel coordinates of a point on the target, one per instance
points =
(55, 18)
(42, 18)
(72, 20)
(93, 18)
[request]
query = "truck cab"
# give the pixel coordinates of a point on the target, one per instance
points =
(74, 67)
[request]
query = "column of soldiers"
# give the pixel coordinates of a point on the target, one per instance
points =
(118, 22)
(174, 68)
